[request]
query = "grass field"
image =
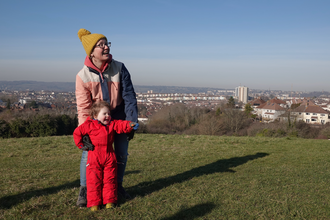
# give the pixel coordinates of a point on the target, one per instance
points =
(174, 177)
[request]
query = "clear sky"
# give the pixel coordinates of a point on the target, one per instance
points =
(261, 44)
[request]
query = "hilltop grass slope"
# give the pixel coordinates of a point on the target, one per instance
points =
(174, 177)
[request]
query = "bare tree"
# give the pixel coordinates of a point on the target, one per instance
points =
(234, 119)
(210, 124)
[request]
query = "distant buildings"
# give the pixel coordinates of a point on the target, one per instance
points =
(311, 113)
(268, 105)
(271, 111)
(242, 93)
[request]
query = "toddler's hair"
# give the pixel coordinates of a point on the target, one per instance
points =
(96, 108)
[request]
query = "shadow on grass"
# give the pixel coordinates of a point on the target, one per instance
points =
(193, 212)
(223, 165)
(8, 201)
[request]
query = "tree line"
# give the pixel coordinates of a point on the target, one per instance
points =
(173, 119)
(227, 120)
(38, 126)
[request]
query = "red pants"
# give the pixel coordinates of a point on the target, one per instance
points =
(101, 171)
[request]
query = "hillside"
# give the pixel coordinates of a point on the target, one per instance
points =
(174, 177)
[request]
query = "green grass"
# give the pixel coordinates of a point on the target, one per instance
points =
(174, 177)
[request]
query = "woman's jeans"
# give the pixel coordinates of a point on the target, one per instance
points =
(121, 148)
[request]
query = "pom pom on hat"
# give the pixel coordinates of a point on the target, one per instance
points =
(82, 32)
(89, 40)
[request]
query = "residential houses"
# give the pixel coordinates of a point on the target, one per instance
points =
(316, 111)
(271, 111)
(299, 101)
(311, 113)
(256, 103)
(276, 109)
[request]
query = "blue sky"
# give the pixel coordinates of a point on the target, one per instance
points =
(261, 44)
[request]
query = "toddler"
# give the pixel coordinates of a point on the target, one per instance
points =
(101, 167)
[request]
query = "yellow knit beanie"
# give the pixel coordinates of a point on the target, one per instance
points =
(89, 40)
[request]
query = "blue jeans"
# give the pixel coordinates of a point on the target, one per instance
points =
(121, 149)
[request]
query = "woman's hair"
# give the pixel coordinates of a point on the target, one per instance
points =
(96, 108)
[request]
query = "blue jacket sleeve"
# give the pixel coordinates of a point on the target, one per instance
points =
(128, 95)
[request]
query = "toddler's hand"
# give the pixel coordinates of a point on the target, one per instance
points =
(134, 125)
(87, 143)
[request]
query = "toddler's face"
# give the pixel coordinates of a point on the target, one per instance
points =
(104, 116)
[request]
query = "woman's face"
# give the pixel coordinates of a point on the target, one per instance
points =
(101, 51)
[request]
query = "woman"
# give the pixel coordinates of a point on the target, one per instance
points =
(103, 78)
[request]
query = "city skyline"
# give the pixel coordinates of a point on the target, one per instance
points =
(221, 44)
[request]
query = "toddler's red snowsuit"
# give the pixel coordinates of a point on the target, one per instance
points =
(101, 167)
